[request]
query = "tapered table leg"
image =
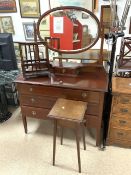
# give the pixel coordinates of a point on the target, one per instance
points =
(78, 147)
(24, 123)
(54, 140)
(61, 137)
(83, 135)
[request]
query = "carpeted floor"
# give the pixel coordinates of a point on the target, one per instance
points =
(31, 154)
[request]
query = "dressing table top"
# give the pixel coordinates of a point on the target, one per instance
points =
(95, 81)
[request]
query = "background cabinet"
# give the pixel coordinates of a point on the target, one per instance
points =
(120, 118)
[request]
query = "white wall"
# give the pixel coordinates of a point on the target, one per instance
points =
(44, 6)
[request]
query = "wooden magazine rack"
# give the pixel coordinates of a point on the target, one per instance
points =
(34, 60)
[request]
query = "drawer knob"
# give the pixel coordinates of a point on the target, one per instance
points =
(33, 113)
(32, 100)
(84, 94)
(30, 89)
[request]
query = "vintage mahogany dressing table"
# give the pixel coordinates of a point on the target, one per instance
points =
(58, 79)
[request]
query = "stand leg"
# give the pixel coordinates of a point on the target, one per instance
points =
(78, 147)
(83, 135)
(62, 135)
(54, 140)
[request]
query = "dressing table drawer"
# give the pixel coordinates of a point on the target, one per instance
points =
(34, 112)
(39, 90)
(37, 101)
(92, 97)
(74, 94)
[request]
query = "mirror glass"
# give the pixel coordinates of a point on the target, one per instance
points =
(69, 29)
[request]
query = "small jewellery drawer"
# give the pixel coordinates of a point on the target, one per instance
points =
(66, 71)
(37, 101)
(34, 112)
(120, 134)
(122, 109)
(121, 122)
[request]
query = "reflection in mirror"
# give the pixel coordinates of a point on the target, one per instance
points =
(69, 29)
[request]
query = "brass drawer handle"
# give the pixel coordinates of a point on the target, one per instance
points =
(31, 89)
(32, 100)
(33, 113)
(122, 121)
(84, 94)
(123, 110)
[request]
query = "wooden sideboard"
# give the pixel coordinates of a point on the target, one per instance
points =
(38, 95)
(120, 118)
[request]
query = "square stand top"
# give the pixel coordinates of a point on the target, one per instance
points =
(65, 109)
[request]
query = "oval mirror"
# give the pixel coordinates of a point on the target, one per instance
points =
(68, 29)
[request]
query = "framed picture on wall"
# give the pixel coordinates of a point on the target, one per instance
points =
(6, 25)
(29, 9)
(88, 4)
(7, 6)
(28, 30)
(96, 2)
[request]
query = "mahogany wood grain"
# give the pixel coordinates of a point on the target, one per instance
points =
(68, 110)
(37, 101)
(34, 112)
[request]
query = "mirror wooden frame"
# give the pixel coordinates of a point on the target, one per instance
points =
(69, 7)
